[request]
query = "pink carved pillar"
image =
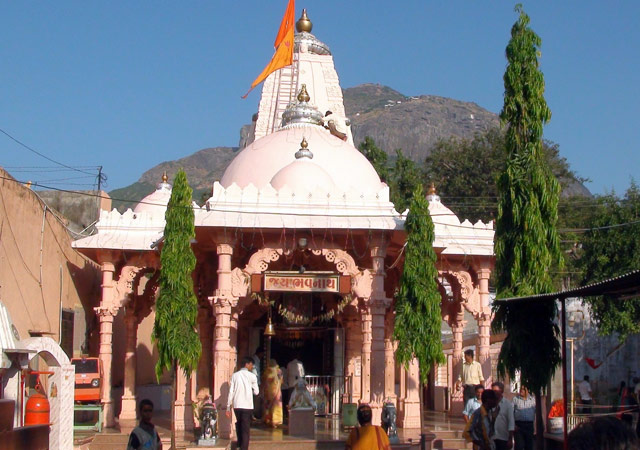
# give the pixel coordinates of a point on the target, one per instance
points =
(183, 415)
(484, 322)
(128, 410)
(353, 357)
(409, 416)
(379, 302)
(106, 312)
(233, 341)
(389, 359)
(203, 373)
(222, 363)
(457, 329)
(377, 363)
(365, 391)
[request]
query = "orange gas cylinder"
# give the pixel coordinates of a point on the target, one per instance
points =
(37, 410)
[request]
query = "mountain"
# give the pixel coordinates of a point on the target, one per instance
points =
(202, 168)
(393, 120)
(412, 124)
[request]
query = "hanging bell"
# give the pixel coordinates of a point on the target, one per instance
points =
(269, 330)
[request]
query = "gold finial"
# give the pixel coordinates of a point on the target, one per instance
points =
(165, 178)
(304, 143)
(303, 23)
(303, 96)
(432, 189)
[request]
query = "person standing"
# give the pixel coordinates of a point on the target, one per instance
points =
(524, 413)
(145, 436)
(505, 422)
(271, 384)
(243, 386)
(470, 376)
(481, 427)
(584, 389)
(473, 404)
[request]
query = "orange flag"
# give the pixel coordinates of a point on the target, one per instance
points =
(284, 47)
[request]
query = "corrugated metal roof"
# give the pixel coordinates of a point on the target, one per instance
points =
(621, 286)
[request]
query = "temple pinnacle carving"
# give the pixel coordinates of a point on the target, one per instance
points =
(165, 178)
(304, 152)
(304, 24)
(303, 95)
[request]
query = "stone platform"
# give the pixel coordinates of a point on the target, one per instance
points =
(329, 435)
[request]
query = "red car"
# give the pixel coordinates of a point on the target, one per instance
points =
(88, 379)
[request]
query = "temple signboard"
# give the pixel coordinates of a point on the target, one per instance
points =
(301, 282)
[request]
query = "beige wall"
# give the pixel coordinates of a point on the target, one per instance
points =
(39, 270)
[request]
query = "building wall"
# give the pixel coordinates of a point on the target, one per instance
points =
(40, 273)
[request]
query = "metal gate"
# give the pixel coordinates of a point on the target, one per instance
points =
(328, 391)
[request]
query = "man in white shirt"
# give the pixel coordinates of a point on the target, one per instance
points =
(336, 125)
(584, 389)
(243, 386)
(505, 422)
(470, 376)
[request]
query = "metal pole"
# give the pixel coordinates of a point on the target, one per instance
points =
(563, 317)
(573, 401)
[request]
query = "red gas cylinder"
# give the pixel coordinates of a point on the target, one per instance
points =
(37, 410)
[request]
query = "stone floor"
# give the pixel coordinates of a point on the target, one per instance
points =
(328, 435)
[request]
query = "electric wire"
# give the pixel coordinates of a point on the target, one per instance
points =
(42, 155)
(276, 213)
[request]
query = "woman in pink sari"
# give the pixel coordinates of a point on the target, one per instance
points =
(272, 382)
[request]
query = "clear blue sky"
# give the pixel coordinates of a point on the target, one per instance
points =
(127, 85)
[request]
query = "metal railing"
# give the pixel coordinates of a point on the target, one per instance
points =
(328, 391)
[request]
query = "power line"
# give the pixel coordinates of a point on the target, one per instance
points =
(88, 194)
(41, 155)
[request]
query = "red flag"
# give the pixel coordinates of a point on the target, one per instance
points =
(284, 47)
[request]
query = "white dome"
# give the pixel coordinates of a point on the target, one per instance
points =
(157, 201)
(342, 163)
(302, 175)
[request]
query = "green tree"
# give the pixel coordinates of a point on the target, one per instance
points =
(609, 250)
(376, 156)
(527, 245)
(417, 304)
(405, 179)
(465, 172)
(174, 329)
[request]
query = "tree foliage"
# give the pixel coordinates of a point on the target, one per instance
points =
(465, 171)
(376, 156)
(405, 179)
(609, 252)
(174, 330)
(418, 316)
(527, 246)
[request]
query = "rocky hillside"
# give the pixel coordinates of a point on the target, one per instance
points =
(202, 167)
(412, 124)
(393, 120)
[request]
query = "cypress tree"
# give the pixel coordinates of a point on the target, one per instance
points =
(174, 329)
(418, 317)
(527, 245)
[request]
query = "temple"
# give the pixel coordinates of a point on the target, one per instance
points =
(299, 232)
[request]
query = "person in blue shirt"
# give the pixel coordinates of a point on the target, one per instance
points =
(473, 403)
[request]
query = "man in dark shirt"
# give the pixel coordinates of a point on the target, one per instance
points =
(145, 436)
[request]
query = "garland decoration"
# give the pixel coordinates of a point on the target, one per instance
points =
(300, 319)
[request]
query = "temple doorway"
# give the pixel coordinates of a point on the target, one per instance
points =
(307, 328)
